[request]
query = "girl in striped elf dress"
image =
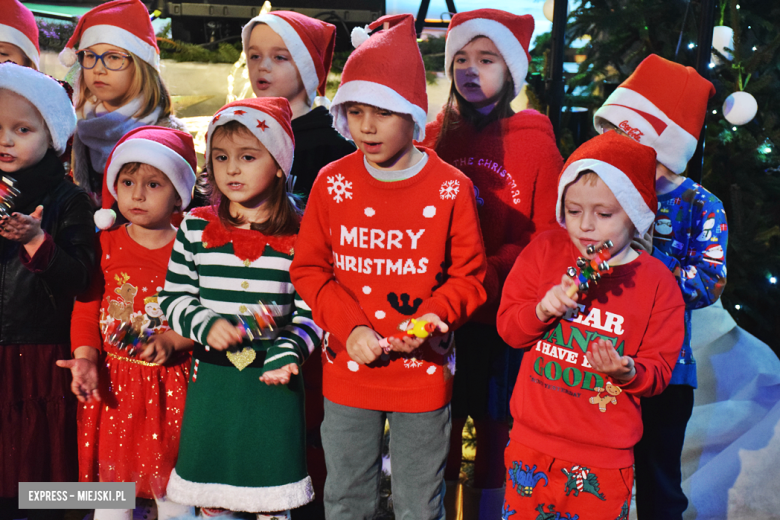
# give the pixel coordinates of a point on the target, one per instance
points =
(243, 434)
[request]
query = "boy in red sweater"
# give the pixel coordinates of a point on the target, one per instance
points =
(390, 234)
(593, 354)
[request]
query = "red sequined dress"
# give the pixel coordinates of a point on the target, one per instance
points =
(132, 435)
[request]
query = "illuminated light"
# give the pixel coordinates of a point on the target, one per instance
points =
(734, 128)
(772, 280)
(737, 6)
(714, 111)
(691, 46)
(711, 65)
(767, 149)
(738, 306)
(754, 48)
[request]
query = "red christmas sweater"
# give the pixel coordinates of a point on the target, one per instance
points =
(377, 254)
(514, 164)
(561, 406)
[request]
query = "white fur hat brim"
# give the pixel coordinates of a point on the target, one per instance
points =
(47, 96)
(15, 36)
(378, 95)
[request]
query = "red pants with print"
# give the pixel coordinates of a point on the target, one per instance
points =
(540, 487)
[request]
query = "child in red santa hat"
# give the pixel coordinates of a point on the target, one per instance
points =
(662, 105)
(390, 234)
(514, 162)
(18, 35)
(591, 355)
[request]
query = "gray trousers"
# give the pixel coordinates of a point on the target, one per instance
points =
(419, 444)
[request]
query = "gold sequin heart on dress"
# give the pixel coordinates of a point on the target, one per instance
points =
(242, 359)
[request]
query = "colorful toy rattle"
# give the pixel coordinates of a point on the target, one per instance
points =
(420, 329)
(590, 270)
(259, 321)
(123, 336)
(8, 195)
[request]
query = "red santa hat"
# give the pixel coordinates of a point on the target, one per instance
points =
(625, 166)
(661, 105)
(385, 70)
(310, 42)
(510, 33)
(123, 23)
(170, 151)
(269, 120)
(47, 95)
(17, 26)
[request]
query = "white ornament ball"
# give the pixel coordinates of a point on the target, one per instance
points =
(722, 37)
(740, 108)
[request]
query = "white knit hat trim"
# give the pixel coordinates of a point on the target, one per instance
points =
(47, 96)
(618, 182)
(378, 95)
(173, 165)
(113, 35)
(300, 54)
(275, 138)
(15, 36)
(674, 147)
(510, 48)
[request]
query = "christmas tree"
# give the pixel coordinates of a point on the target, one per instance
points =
(741, 163)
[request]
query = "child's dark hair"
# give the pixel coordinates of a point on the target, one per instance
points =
(457, 110)
(284, 209)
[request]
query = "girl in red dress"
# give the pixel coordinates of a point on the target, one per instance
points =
(132, 403)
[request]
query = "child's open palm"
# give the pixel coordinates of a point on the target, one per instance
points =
(280, 376)
(603, 357)
(22, 228)
(85, 377)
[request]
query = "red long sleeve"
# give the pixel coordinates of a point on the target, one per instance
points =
(377, 254)
(557, 405)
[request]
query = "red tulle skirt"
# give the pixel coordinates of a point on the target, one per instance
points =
(37, 417)
(132, 435)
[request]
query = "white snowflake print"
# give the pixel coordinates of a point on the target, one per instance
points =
(339, 187)
(448, 190)
(144, 289)
(431, 370)
(413, 363)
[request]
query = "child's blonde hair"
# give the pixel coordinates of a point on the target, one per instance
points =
(146, 83)
(284, 208)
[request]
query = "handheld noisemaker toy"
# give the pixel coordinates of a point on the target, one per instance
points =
(259, 322)
(588, 271)
(420, 329)
(123, 336)
(8, 195)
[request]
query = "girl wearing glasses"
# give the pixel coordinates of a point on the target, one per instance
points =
(119, 87)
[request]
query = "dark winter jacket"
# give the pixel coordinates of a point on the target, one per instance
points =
(317, 144)
(36, 294)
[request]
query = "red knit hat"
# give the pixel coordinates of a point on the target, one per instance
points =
(385, 70)
(310, 42)
(17, 26)
(124, 23)
(661, 105)
(170, 151)
(269, 120)
(510, 33)
(625, 166)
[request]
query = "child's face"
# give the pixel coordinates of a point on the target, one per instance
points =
(146, 197)
(593, 215)
(384, 137)
(10, 52)
(110, 86)
(480, 72)
(272, 71)
(243, 169)
(24, 137)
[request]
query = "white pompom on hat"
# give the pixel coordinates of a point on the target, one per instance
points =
(661, 105)
(269, 120)
(170, 151)
(17, 26)
(47, 95)
(309, 40)
(625, 166)
(386, 71)
(123, 23)
(510, 33)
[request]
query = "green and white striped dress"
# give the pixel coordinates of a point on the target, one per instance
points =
(242, 441)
